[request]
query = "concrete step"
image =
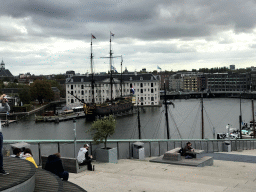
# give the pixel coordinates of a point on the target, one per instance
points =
(24, 177)
(21, 177)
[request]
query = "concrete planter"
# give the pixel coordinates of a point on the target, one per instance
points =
(106, 155)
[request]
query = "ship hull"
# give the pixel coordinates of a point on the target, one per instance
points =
(91, 111)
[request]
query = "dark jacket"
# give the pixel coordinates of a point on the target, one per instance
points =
(87, 156)
(54, 165)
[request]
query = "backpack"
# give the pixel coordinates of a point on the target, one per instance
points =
(181, 151)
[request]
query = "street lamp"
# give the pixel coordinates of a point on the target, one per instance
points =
(74, 121)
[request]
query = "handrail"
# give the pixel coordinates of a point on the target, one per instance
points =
(118, 140)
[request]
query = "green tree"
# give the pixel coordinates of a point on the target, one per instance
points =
(61, 88)
(102, 129)
(40, 90)
(25, 95)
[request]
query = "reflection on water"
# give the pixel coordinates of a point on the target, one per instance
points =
(185, 118)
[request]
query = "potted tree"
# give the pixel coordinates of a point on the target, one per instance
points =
(102, 129)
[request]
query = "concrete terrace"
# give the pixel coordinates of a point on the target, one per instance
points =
(233, 171)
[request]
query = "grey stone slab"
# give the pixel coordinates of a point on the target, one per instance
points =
(198, 162)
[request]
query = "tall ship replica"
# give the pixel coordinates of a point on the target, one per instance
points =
(120, 104)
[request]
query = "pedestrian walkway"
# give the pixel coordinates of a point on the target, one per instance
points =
(234, 171)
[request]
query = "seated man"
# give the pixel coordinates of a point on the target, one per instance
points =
(84, 158)
(187, 149)
(54, 165)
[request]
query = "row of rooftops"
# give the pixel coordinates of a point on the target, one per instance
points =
(105, 78)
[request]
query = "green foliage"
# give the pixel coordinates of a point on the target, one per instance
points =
(15, 85)
(25, 95)
(40, 90)
(102, 129)
(61, 88)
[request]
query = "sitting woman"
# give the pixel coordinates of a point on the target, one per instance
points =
(16, 153)
(54, 165)
(187, 150)
(29, 157)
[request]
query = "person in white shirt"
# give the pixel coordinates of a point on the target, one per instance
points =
(84, 158)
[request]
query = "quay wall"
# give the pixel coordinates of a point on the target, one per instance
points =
(216, 94)
(152, 147)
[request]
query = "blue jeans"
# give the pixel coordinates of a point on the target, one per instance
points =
(1, 151)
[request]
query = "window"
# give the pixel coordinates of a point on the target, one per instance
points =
(141, 91)
(71, 86)
(141, 85)
(82, 92)
(152, 84)
(152, 90)
(82, 86)
(152, 98)
(72, 100)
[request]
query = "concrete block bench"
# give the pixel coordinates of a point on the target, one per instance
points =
(69, 164)
(172, 155)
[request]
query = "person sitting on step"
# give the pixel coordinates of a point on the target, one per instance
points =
(54, 165)
(84, 158)
(29, 157)
(188, 149)
(16, 153)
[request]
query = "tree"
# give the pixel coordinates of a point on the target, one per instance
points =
(55, 83)
(40, 90)
(25, 95)
(102, 129)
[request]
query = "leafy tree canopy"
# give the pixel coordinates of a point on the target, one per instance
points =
(102, 129)
(25, 95)
(40, 90)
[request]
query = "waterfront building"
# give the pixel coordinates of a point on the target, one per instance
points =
(176, 82)
(228, 81)
(232, 67)
(164, 79)
(146, 88)
(190, 83)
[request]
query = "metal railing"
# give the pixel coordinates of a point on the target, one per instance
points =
(152, 147)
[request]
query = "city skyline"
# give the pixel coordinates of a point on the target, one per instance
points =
(52, 37)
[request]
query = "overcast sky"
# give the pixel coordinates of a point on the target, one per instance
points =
(54, 36)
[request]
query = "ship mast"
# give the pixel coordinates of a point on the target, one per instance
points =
(92, 82)
(166, 113)
(202, 114)
(121, 82)
(110, 66)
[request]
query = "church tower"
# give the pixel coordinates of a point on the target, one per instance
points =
(2, 65)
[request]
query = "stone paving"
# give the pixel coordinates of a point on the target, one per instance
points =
(234, 171)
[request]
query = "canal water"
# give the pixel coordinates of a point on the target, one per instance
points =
(184, 122)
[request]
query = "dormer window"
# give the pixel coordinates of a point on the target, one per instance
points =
(130, 78)
(82, 79)
(141, 78)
